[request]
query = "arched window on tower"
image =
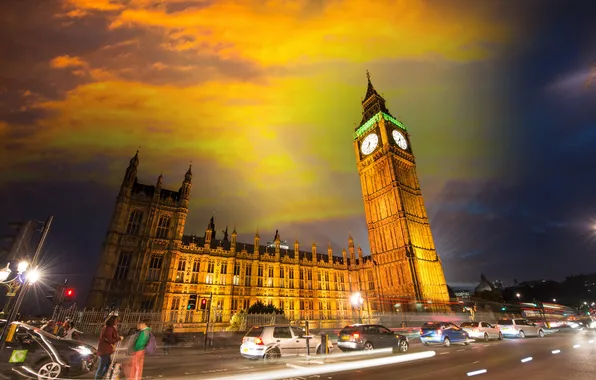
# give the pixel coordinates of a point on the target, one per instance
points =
(163, 227)
(134, 222)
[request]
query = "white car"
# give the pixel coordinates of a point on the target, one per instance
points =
(272, 342)
(482, 330)
(520, 328)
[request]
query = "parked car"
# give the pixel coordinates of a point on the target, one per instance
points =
(275, 341)
(482, 330)
(444, 333)
(369, 337)
(520, 328)
(32, 352)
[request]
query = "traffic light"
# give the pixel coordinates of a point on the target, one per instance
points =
(69, 294)
(203, 304)
(192, 302)
(58, 295)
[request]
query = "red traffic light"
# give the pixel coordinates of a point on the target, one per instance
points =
(203, 301)
(69, 292)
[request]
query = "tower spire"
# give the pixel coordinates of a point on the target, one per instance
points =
(373, 103)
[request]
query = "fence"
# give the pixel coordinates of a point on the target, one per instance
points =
(91, 321)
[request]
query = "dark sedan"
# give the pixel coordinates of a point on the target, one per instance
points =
(370, 337)
(33, 353)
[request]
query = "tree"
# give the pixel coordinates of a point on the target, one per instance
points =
(260, 308)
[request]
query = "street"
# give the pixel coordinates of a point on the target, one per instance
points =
(574, 357)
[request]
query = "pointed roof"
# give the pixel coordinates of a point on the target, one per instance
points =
(135, 160)
(370, 90)
(372, 104)
(188, 175)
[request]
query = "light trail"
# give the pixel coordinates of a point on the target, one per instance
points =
(331, 368)
(479, 372)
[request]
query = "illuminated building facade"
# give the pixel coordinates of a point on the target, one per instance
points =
(148, 263)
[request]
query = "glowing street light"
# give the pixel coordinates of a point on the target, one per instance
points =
(4, 273)
(518, 295)
(554, 300)
(22, 267)
(33, 276)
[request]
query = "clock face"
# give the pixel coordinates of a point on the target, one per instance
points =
(369, 144)
(400, 140)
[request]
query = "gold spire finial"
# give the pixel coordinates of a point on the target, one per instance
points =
(368, 75)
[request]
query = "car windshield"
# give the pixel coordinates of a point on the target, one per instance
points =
(469, 324)
(505, 322)
(254, 332)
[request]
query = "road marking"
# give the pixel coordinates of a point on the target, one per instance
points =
(293, 366)
(444, 353)
(556, 351)
(576, 346)
(525, 360)
(477, 361)
(479, 372)
(461, 349)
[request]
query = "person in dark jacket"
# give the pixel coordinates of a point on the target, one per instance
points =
(169, 339)
(107, 344)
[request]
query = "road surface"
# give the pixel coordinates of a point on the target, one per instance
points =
(574, 358)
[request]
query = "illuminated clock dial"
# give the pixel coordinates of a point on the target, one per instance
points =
(369, 144)
(400, 139)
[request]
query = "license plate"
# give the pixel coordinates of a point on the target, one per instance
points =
(345, 337)
(245, 349)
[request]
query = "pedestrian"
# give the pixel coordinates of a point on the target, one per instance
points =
(107, 343)
(72, 333)
(49, 326)
(137, 350)
(169, 339)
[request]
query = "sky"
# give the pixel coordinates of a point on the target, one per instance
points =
(263, 98)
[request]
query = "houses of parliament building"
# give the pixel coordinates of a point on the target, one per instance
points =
(148, 263)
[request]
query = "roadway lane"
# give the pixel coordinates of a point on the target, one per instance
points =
(501, 360)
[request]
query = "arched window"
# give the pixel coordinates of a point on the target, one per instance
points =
(163, 227)
(134, 222)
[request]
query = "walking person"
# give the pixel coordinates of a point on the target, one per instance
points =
(107, 343)
(72, 333)
(137, 351)
(169, 339)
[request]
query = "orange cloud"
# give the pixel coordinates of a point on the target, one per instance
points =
(282, 32)
(66, 61)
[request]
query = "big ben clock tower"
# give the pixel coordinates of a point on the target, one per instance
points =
(400, 237)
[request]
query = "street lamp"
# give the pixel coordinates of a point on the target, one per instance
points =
(554, 300)
(357, 301)
(518, 295)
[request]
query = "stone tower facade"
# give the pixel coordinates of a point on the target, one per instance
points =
(401, 242)
(146, 218)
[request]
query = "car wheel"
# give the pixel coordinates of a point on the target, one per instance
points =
(49, 370)
(500, 336)
(522, 335)
(486, 338)
(271, 355)
(368, 346)
(446, 342)
(402, 347)
(541, 333)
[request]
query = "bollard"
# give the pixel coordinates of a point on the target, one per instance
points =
(324, 344)
(307, 336)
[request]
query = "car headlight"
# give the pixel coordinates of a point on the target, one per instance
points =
(84, 351)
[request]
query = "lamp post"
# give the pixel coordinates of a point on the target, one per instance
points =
(25, 278)
(357, 301)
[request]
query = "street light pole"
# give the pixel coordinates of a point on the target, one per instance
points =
(22, 290)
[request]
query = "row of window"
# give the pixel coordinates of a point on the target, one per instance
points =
(135, 222)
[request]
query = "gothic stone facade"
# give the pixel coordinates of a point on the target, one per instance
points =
(148, 263)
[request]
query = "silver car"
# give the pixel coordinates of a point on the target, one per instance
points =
(271, 342)
(520, 328)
